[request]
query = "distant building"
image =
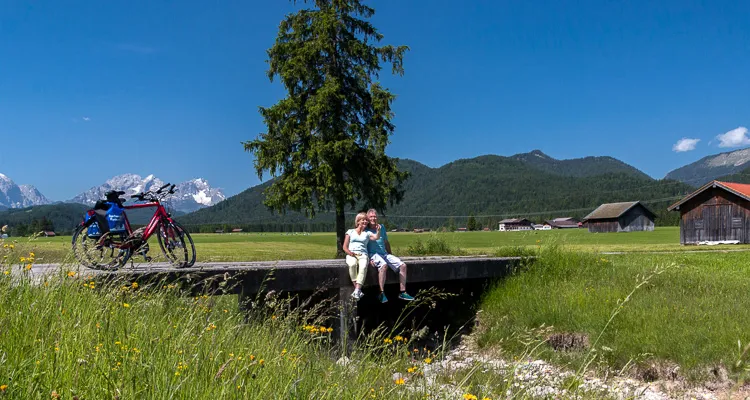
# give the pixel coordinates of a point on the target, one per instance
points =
(461, 229)
(236, 230)
(716, 212)
(48, 234)
(628, 216)
(515, 224)
(542, 227)
(564, 223)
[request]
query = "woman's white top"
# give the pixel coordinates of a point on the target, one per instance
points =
(358, 242)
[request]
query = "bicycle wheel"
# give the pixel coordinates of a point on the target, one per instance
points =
(176, 244)
(99, 252)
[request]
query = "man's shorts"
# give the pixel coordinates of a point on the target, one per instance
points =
(389, 260)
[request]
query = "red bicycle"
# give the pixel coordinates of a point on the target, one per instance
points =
(105, 239)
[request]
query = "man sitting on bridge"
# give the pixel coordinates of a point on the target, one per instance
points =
(380, 256)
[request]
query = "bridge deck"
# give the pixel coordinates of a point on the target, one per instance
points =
(300, 275)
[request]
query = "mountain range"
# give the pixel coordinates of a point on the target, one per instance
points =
(712, 167)
(190, 195)
(489, 187)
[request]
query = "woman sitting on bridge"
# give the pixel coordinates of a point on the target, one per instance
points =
(355, 247)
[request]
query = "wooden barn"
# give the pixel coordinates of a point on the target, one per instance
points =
(716, 212)
(629, 216)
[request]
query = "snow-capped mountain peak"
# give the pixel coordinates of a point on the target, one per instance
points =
(15, 196)
(190, 195)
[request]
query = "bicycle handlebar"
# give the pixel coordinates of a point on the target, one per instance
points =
(157, 195)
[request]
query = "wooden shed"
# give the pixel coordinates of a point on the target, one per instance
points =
(716, 212)
(629, 216)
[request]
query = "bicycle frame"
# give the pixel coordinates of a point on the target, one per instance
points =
(159, 214)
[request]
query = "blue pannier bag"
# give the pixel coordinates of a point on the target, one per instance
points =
(116, 218)
(115, 221)
(93, 230)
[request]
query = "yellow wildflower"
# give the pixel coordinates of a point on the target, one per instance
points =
(28, 267)
(428, 360)
(486, 398)
(23, 259)
(399, 381)
(3, 388)
(329, 330)
(252, 357)
(469, 396)
(32, 255)
(177, 373)
(6, 272)
(126, 305)
(411, 370)
(283, 352)
(134, 285)
(71, 273)
(261, 361)
(387, 341)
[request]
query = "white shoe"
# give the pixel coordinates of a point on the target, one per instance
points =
(357, 294)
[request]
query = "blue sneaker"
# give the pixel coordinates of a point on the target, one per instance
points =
(405, 296)
(382, 298)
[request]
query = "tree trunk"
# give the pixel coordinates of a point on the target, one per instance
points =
(340, 228)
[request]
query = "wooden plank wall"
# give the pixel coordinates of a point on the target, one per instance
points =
(715, 215)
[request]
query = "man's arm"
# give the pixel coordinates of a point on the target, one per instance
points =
(388, 246)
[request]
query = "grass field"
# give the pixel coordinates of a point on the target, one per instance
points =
(692, 312)
(278, 246)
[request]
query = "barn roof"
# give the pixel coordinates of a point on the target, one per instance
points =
(614, 210)
(515, 221)
(740, 189)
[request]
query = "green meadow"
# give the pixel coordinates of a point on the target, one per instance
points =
(640, 299)
(276, 246)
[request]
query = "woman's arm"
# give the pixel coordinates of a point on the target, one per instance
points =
(376, 236)
(346, 245)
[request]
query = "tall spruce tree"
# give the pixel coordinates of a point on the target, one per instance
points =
(325, 142)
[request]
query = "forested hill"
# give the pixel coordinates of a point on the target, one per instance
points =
(489, 187)
(580, 167)
(61, 218)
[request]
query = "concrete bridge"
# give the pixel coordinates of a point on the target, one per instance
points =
(246, 279)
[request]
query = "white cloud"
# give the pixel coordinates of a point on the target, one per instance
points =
(87, 119)
(685, 144)
(734, 138)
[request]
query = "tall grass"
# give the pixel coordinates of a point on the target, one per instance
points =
(692, 312)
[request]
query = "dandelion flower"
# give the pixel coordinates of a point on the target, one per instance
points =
(4, 387)
(428, 360)
(469, 396)
(134, 285)
(261, 361)
(126, 305)
(399, 381)
(71, 273)
(28, 267)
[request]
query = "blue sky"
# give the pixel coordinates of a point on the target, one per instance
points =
(91, 89)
